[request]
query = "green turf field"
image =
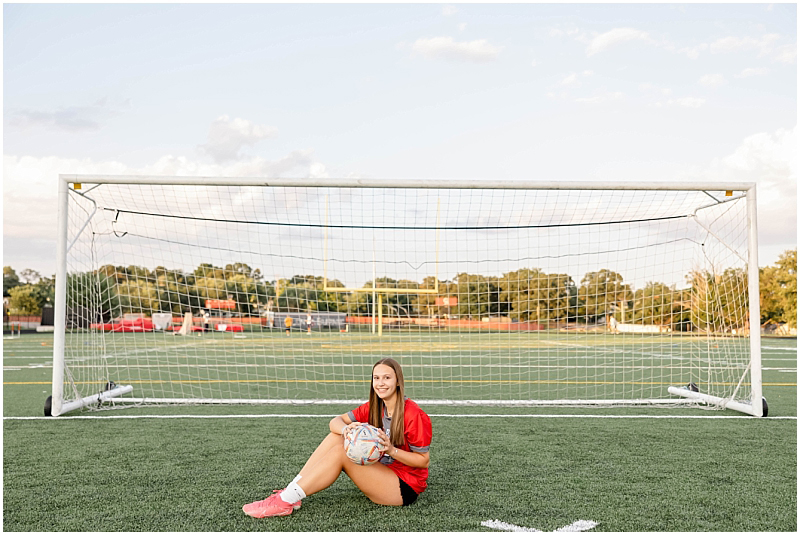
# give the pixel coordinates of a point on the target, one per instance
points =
(437, 365)
(192, 468)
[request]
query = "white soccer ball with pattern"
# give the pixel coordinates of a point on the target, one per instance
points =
(362, 444)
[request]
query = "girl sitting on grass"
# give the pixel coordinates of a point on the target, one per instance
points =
(399, 477)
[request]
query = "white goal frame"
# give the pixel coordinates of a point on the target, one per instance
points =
(57, 405)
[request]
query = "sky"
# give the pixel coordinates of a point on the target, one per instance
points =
(580, 92)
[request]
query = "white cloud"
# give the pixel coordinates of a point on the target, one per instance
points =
(570, 81)
(449, 10)
(785, 54)
(69, 118)
(30, 186)
(712, 80)
(462, 26)
(601, 98)
(686, 102)
(746, 73)
(770, 160)
(689, 102)
(573, 32)
(573, 79)
(650, 88)
(479, 51)
(226, 137)
(614, 37)
(735, 44)
(766, 45)
(694, 52)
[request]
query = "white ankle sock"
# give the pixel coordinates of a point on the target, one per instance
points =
(293, 493)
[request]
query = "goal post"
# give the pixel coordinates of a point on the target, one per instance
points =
(493, 293)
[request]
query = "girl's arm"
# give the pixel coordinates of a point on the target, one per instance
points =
(408, 458)
(340, 423)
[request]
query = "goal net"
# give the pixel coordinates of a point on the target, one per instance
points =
(182, 290)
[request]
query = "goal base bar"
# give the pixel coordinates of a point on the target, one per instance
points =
(467, 403)
(108, 395)
(722, 403)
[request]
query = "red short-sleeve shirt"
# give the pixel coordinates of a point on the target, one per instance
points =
(418, 434)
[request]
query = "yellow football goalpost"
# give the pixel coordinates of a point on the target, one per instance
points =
(377, 309)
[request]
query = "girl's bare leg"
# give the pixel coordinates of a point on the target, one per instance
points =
(378, 482)
(331, 441)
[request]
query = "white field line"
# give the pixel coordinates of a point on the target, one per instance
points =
(580, 525)
(226, 416)
(620, 367)
(497, 524)
(585, 357)
(617, 355)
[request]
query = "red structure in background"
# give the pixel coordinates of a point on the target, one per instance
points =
(223, 304)
(138, 325)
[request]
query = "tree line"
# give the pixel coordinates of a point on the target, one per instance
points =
(525, 295)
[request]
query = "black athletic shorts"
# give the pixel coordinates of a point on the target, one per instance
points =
(408, 494)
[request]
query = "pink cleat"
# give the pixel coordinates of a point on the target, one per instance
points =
(272, 506)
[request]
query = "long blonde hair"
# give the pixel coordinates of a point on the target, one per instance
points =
(376, 404)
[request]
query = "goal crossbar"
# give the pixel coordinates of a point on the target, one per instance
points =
(403, 183)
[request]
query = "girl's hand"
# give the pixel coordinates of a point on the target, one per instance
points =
(386, 444)
(349, 427)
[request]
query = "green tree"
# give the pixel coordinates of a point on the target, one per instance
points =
(94, 295)
(138, 295)
(601, 293)
(719, 300)
(209, 288)
(424, 304)
(478, 296)
(395, 304)
(24, 301)
(45, 290)
(248, 292)
(30, 276)
(332, 301)
(209, 271)
(306, 293)
(359, 303)
(31, 297)
(10, 280)
(176, 291)
(533, 295)
(655, 304)
(778, 288)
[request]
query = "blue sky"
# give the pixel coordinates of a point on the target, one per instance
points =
(498, 92)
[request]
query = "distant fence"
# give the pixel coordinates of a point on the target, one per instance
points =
(492, 323)
(332, 320)
(21, 322)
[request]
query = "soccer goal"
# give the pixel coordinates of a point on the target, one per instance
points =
(249, 290)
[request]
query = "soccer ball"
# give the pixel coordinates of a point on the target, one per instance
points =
(362, 444)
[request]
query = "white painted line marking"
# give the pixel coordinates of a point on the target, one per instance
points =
(497, 524)
(224, 416)
(580, 525)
